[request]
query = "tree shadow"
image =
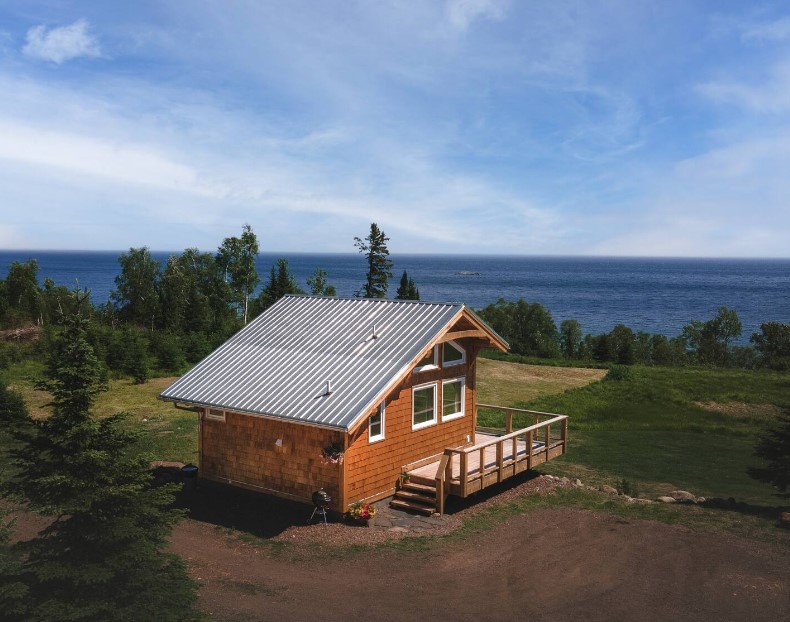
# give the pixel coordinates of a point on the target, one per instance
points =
(227, 506)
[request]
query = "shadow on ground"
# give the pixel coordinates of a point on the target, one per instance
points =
(256, 513)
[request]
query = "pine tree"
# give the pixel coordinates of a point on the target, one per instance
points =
(374, 247)
(103, 556)
(281, 283)
(407, 290)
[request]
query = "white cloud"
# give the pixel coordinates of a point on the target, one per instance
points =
(767, 96)
(61, 44)
(777, 30)
(461, 13)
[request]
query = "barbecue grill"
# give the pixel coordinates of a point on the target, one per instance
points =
(321, 501)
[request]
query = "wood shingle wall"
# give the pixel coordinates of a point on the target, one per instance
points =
(243, 450)
(372, 469)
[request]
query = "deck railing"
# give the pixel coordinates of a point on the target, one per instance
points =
(515, 451)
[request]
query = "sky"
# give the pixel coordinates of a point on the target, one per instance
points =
(622, 127)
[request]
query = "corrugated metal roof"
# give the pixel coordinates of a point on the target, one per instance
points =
(278, 365)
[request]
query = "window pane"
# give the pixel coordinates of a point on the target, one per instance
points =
(423, 405)
(451, 398)
(451, 354)
(375, 425)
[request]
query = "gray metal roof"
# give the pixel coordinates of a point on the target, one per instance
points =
(278, 365)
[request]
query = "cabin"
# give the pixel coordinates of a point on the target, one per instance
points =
(364, 398)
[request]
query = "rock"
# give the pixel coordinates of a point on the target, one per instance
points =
(609, 490)
(565, 480)
(578, 483)
(643, 501)
(784, 520)
(666, 499)
(700, 500)
(682, 495)
(628, 499)
(398, 530)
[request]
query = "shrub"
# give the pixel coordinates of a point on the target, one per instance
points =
(619, 373)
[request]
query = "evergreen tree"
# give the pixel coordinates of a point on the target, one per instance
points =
(13, 591)
(281, 283)
(318, 284)
(774, 448)
(374, 247)
(236, 257)
(103, 556)
(407, 290)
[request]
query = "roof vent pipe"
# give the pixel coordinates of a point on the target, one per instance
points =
(328, 388)
(375, 336)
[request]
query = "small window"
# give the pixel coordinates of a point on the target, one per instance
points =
(423, 411)
(452, 354)
(215, 413)
(429, 361)
(376, 425)
(452, 399)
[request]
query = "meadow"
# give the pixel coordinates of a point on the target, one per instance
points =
(659, 428)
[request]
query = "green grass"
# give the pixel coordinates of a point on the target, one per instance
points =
(655, 431)
(761, 527)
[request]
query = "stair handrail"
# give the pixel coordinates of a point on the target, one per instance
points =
(441, 475)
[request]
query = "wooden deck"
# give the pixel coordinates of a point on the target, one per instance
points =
(461, 471)
(428, 471)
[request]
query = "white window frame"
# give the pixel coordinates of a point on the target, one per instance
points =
(457, 347)
(375, 438)
(430, 422)
(209, 413)
(430, 366)
(462, 412)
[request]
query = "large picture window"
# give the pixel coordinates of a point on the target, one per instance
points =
(452, 399)
(376, 425)
(423, 411)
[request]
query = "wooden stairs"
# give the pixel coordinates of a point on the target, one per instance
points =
(416, 495)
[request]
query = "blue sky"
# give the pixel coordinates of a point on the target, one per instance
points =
(656, 128)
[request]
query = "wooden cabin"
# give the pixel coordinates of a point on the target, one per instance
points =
(361, 397)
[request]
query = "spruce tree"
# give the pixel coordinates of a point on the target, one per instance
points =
(318, 284)
(102, 558)
(281, 282)
(407, 290)
(374, 247)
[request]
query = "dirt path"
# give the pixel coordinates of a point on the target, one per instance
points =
(547, 565)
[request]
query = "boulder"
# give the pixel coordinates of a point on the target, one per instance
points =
(682, 495)
(578, 483)
(609, 490)
(666, 499)
(642, 501)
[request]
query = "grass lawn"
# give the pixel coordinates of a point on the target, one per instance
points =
(667, 428)
(663, 429)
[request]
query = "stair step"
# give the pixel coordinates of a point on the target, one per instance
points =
(407, 495)
(415, 487)
(413, 507)
(422, 481)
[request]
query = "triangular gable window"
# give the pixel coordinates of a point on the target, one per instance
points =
(452, 354)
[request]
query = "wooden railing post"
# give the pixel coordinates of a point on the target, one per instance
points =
(564, 434)
(500, 454)
(529, 450)
(547, 441)
(464, 475)
(508, 420)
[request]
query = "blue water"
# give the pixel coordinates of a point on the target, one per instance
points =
(654, 295)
